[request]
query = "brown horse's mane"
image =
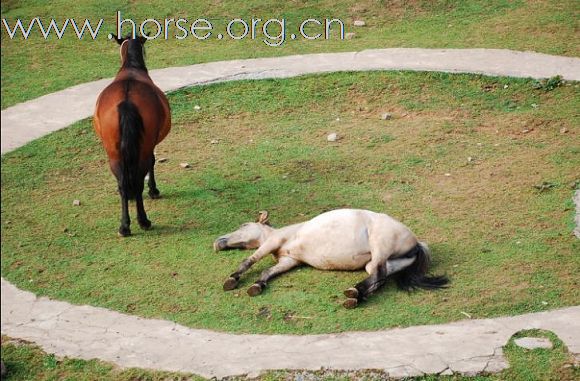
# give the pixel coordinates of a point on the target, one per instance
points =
(135, 52)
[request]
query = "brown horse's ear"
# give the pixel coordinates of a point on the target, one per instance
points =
(119, 40)
(143, 39)
(263, 217)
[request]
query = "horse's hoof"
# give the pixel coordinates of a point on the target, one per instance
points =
(154, 194)
(230, 284)
(145, 225)
(350, 303)
(351, 293)
(255, 290)
(124, 232)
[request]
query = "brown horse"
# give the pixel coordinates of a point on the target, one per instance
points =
(132, 116)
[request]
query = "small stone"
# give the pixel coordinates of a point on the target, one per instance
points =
(332, 137)
(448, 174)
(479, 144)
(185, 165)
(76, 202)
(359, 23)
(214, 141)
(563, 130)
(349, 35)
(544, 303)
(505, 86)
(338, 119)
(534, 343)
(162, 160)
(196, 107)
(386, 116)
(525, 131)
(470, 159)
(446, 372)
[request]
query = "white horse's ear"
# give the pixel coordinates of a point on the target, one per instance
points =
(263, 217)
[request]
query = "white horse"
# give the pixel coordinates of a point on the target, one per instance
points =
(344, 239)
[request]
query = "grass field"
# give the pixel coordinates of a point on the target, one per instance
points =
(36, 66)
(525, 365)
(481, 168)
(460, 164)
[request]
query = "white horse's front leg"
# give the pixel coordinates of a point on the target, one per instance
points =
(267, 247)
(284, 264)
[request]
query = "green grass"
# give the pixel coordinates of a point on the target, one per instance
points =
(25, 361)
(28, 362)
(36, 67)
(506, 245)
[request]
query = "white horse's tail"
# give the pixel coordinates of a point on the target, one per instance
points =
(415, 276)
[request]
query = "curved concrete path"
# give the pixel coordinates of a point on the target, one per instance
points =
(466, 347)
(38, 117)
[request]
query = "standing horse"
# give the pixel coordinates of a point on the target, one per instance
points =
(132, 116)
(344, 239)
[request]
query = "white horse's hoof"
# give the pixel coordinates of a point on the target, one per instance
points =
(351, 293)
(350, 303)
(230, 284)
(255, 290)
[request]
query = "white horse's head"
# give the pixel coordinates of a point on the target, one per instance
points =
(249, 236)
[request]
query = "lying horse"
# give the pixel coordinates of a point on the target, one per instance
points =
(132, 116)
(344, 239)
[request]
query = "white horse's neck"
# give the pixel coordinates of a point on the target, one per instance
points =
(284, 233)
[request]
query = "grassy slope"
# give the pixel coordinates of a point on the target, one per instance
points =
(27, 362)
(35, 67)
(506, 246)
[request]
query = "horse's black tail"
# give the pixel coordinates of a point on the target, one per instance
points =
(131, 126)
(415, 276)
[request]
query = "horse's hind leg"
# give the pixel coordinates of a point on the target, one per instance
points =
(153, 191)
(141, 215)
(124, 229)
(283, 265)
(377, 278)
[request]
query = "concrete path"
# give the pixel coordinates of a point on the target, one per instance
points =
(38, 117)
(466, 347)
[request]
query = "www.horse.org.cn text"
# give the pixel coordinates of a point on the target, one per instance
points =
(272, 32)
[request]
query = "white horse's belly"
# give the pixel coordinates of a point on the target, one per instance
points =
(332, 241)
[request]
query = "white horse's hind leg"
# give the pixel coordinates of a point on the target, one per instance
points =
(379, 268)
(284, 264)
(377, 277)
